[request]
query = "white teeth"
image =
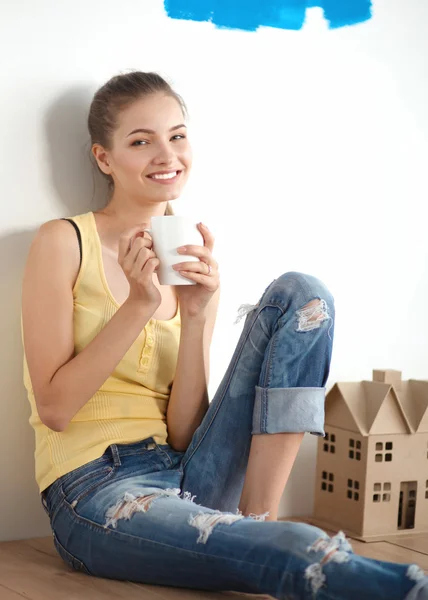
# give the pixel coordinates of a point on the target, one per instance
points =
(164, 175)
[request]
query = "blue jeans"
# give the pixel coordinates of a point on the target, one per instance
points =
(147, 513)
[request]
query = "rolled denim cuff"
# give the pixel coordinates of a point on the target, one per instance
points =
(289, 410)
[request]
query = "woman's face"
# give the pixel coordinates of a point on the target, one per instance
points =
(151, 156)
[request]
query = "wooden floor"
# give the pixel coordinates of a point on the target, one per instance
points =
(32, 569)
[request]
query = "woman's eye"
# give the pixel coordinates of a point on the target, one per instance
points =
(179, 136)
(139, 142)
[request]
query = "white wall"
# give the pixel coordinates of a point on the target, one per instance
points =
(310, 154)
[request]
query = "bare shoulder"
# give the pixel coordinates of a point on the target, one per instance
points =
(55, 247)
(56, 231)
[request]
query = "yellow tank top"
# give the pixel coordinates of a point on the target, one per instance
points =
(131, 405)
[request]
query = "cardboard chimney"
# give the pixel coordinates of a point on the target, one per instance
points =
(372, 465)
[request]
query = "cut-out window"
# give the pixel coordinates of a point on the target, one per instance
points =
(329, 437)
(412, 494)
(352, 453)
(376, 497)
(330, 477)
(426, 494)
(387, 456)
(353, 485)
(377, 487)
(386, 497)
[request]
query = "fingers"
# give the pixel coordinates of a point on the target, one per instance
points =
(210, 282)
(150, 267)
(194, 267)
(141, 258)
(207, 235)
(202, 252)
(127, 238)
(138, 247)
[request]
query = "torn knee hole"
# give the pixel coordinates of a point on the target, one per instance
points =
(312, 315)
(336, 550)
(415, 573)
(130, 504)
(205, 522)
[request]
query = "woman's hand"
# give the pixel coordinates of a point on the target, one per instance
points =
(138, 262)
(194, 298)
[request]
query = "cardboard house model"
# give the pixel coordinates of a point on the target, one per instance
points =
(372, 465)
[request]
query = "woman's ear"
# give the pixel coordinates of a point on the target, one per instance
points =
(101, 156)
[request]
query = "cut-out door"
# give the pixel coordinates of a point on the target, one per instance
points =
(407, 505)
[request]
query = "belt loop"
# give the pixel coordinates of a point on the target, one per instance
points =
(116, 456)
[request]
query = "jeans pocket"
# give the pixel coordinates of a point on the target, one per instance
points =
(68, 558)
(86, 482)
(172, 459)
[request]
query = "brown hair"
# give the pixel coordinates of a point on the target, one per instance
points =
(115, 95)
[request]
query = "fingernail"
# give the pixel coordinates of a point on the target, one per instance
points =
(181, 249)
(203, 225)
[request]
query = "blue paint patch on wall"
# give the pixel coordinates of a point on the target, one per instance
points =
(284, 14)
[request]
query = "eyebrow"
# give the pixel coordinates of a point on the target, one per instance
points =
(152, 131)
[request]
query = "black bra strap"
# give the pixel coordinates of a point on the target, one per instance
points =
(79, 237)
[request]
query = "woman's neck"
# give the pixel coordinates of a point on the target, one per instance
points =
(126, 213)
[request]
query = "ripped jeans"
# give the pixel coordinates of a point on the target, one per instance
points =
(147, 513)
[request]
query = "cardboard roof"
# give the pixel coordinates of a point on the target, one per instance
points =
(414, 399)
(378, 408)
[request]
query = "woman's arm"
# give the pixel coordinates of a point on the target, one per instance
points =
(63, 383)
(188, 401)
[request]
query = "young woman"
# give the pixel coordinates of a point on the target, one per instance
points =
(141, 477)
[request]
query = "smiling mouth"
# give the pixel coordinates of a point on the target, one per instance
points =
(165, 177)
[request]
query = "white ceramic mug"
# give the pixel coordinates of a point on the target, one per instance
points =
(168, 233)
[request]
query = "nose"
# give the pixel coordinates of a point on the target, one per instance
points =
(165, 154)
